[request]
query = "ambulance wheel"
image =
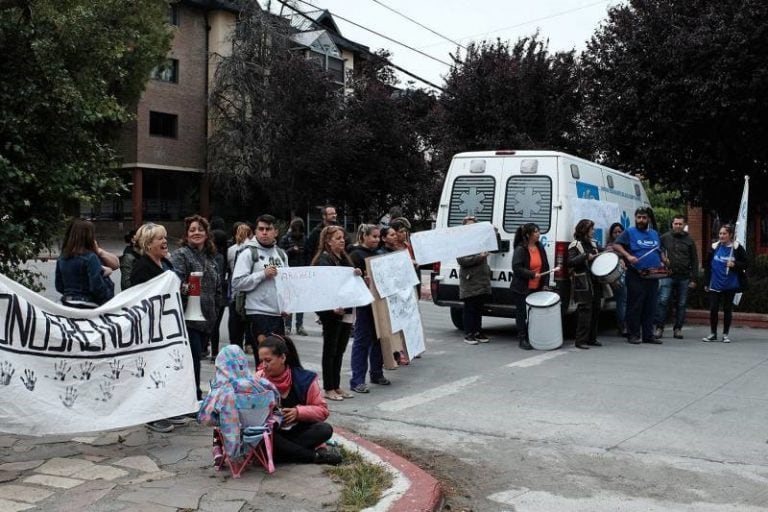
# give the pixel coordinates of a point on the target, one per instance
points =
(457, 317)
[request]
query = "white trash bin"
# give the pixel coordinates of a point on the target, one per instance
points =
(545, 325)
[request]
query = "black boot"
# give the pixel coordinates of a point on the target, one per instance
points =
(524, 344)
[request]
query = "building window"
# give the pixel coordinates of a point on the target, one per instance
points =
(173, 15)
(168, 71)
(335, 68)
(163, 125)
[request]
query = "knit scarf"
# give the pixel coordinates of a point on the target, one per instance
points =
(283, 382)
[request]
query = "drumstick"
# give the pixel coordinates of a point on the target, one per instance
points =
(549, 271)
(649, 252)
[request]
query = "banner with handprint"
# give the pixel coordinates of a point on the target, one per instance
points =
(65, 370)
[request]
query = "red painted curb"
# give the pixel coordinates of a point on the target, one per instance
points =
(424, 493)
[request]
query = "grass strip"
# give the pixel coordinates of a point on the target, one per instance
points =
(362, 482)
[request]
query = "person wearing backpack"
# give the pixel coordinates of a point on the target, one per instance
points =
(255, 272)
(236, 322)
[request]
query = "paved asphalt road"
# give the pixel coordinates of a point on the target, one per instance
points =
(677, 427)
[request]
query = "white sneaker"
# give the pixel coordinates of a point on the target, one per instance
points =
(726, 339)
(470, 339)
(711, 337)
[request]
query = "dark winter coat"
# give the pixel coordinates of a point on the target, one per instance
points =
(521, 269)
(681, 251)
(474, 276)
(186, 260)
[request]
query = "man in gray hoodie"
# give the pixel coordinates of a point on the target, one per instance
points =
(254, 273)
(684, 266)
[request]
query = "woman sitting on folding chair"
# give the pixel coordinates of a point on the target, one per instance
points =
(304, 409)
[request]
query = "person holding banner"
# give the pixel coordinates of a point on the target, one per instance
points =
(83, 269)
(474, 290)
(196, 254)
(152, 244)
(725, 275)
(530, 273)
(304, 410)
(337, 323)
(236, 324)
(390, 242)
(365, 344)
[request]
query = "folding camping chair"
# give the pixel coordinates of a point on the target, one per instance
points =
(256, 411)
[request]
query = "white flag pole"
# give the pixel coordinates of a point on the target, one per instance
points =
(741, 225)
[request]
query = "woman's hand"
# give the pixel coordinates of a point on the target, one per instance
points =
(358, 272)
(290, 415)
(730, 264)
(106, 271)
(339, 311)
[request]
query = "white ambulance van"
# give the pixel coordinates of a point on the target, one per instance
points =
(511, 188)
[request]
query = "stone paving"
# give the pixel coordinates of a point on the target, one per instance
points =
(138, 470)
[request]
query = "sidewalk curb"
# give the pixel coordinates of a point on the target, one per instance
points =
(423, 494)
(692, 316)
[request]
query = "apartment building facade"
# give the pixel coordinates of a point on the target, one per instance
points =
(164, 148)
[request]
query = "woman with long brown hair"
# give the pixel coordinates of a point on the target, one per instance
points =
(196, 254)
(337, 323)
(530, 273)
(83, 269)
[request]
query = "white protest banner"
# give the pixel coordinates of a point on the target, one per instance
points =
(303, 289)
(447, 244)
(393, 272)
(404, 315)
(65, 370)
(602, 213)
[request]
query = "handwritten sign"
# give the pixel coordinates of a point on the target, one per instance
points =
(447, 244)
(393, 272)
(404, 316)
(302, 289)
(602, 213)
(66, 370)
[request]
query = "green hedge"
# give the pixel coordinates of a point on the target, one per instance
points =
(754, 300)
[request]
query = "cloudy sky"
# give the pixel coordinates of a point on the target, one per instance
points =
(567, 23)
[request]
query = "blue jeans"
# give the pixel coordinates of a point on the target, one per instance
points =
(365, 347)
(666, 286)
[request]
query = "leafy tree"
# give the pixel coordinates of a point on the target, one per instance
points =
(676, 92)
(511, 96)
(273, 111)
(286, 137)
(71, 69)
(384, 137)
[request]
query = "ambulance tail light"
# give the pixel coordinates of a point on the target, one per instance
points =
(561, 258)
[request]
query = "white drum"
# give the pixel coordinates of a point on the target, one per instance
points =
(545, 325)
(606, 267)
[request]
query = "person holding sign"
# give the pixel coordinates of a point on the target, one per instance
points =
(725, 275)
(337, 323)
(365, 345)
(474, 290)
(530, 273)
(83, 269)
